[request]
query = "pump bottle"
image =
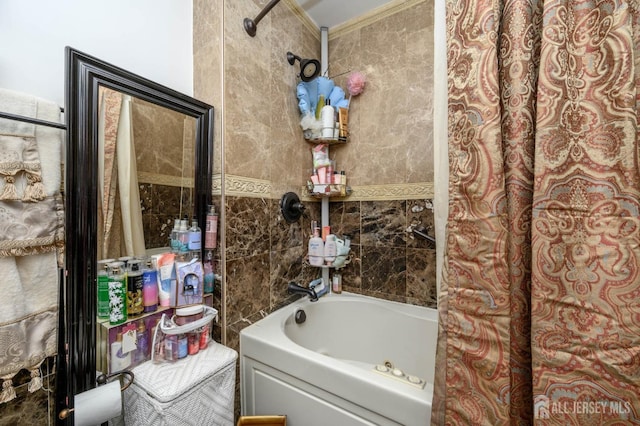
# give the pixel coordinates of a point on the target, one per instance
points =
(316, 247)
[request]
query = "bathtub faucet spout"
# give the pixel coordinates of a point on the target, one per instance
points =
(294, 288)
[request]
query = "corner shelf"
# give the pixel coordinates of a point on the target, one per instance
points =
(332, 190)
(330, 141)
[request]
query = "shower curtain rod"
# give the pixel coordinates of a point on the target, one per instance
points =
(33, 120)
(251, 25)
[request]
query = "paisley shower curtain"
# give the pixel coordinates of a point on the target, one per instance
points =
(540, 298)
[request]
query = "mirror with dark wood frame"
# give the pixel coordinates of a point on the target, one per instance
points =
(86, 77)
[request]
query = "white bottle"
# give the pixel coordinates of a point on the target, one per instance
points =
(316, 248)
(183, 237)
(330, 249)
(327, 116)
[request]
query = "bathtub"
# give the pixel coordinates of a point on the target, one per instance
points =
(355, 360)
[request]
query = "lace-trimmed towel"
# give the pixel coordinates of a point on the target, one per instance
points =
(31, 210)
(31, 237)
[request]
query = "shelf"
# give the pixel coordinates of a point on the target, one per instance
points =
(328, 190)
(331, 141)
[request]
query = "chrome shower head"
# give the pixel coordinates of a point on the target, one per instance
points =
(309, 68)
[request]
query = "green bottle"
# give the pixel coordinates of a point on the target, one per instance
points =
(319, 107)
(117, 294)
(103, 288)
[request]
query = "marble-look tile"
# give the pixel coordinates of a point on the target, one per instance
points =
(391, 121)
(158, 136)
(157, 230)
(383, 223)
(286, 266)
(352, 273)
(28, 408)
(247, 227)
(283, 235)
(170, 200)
(146, 198)
(421, 277)
(420, 213)
(384, 270)
(248, 289)
(344, 217)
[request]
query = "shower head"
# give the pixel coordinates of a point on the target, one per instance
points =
(309, 68)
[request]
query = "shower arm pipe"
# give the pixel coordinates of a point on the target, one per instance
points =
(251, 25)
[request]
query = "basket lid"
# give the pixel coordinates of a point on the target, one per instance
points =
(168, 381)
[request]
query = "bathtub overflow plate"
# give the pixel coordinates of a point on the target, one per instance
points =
(396, 373)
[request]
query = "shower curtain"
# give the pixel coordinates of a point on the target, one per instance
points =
(540, 297)
(119, 211)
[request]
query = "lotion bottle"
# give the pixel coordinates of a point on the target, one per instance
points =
(316, 247)
(330, 249)
(327, 115)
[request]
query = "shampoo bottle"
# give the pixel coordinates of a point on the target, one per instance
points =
(327, 116)
(316, 247)
(330, 249)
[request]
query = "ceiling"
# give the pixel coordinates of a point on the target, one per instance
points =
(329, 13)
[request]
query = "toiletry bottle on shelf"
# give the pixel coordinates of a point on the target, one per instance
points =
(174, 241)
(330, 249)
(195, 239)
(316, 247)
(103, 288)
(204, 337)
(328, 120)
(319, 107)
(336, 283)
(183, 346)
(117, 294)
(150, 288)
(119, 361)
(211, 230)
(135, 286)
(209, 276)
(183, 238)
(142, 343)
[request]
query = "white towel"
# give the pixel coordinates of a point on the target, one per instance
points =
(35, 154)
(31, 230)
(18, 104)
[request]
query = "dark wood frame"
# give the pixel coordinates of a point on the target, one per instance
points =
(84, 75)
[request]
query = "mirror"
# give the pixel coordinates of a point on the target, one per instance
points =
(86, 76)
(145, 174)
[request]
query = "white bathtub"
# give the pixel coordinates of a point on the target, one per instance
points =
(325, 370)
